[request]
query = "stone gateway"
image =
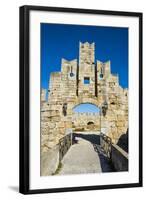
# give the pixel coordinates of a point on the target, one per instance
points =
(83, 81)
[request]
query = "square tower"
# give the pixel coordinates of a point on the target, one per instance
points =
(86, 69)
(86, 53)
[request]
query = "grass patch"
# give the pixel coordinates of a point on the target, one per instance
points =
(58, 169)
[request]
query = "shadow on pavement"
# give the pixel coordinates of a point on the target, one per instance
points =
(94, 139)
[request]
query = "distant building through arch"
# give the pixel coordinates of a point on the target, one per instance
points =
(86, 116)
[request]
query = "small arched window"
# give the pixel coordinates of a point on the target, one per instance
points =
(90, 123)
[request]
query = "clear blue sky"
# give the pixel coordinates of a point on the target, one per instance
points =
(86, 107)
(62, 41)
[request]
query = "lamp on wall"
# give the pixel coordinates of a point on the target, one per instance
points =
(103, 110)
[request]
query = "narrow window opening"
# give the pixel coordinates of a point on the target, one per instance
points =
(86, 80)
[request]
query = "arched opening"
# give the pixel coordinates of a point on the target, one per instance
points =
(86, 108)
(90, 123)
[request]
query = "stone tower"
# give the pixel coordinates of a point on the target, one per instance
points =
(86, 69)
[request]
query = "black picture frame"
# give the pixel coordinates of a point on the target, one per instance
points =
(24, 99)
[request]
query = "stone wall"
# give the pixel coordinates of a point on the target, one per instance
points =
(90, 121)
(49, 161)
(83, 81)
(119, 158)
(86, 69)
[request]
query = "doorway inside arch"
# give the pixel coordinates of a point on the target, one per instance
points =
(90, 125)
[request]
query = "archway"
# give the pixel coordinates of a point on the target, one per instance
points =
(90, 123)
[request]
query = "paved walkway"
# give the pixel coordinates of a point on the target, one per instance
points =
(85, 156)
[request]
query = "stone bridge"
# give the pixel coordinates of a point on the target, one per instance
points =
(86, 152)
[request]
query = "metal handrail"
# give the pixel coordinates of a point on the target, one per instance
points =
(64, 145)
(106, 145)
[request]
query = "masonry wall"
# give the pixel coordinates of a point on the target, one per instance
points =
(119, 158)
(86, 121)
(67, 89)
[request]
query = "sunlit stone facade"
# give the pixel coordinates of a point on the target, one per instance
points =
(83, 81)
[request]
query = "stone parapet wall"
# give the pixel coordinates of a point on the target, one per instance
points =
(119, 158)
(49, 161)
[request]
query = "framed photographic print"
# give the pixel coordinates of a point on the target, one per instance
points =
(80, 99)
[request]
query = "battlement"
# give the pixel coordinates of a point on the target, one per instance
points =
(87, 45)
(64, 61)
(68, 65)
(104, 68)
(86, 53)
(86, 114)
